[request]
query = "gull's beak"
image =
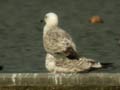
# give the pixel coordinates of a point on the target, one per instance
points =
(41, 21)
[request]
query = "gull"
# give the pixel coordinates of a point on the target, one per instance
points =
(64, 65)
(57, 41)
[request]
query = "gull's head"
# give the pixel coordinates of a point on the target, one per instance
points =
(51, 19)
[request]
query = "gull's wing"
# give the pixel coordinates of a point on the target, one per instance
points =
(57, 41)
(81, 65)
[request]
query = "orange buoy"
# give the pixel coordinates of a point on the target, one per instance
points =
(96, 20)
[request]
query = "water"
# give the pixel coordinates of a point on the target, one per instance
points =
(21, 48)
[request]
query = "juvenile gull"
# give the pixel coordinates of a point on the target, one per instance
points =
(64, 65)
(56, 41)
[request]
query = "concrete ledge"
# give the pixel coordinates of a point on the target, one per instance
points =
(47, 80)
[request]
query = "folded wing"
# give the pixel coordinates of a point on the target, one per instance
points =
(59, 42)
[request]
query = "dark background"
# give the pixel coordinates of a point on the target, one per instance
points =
(21, 47)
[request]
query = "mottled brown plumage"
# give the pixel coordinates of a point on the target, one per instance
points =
(56, 41)
(64, 65)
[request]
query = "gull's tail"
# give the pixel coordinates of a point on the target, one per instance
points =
(97, 66)
(107, 65)
(71, 53)
(102, 65)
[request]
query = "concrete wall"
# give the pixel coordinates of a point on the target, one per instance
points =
(47, 81)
